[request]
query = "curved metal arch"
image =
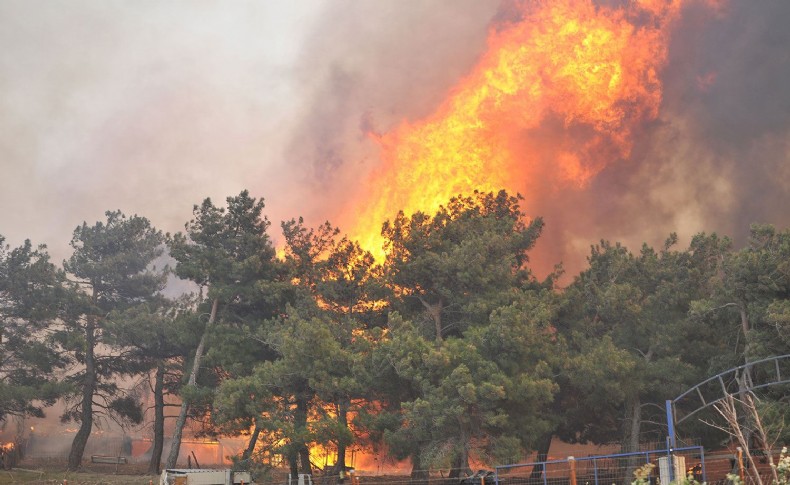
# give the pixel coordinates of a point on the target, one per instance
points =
(761, 373)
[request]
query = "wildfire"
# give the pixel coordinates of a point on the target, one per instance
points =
(590, 72)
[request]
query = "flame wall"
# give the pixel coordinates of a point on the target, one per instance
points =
(619, 120)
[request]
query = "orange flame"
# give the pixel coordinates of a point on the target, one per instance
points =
(590, 71)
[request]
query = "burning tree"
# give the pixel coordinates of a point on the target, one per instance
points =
(307, 392)
(461, 283)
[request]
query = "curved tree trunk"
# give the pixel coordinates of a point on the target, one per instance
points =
(86, 407)
(175, 446)
(543, 446)
(251, 444)
(159, 421)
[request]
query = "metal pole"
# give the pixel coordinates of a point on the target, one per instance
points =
(595, 470)
(671, 425)
(671, 464)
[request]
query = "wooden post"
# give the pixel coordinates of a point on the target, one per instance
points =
(572, 463)
(741, 471)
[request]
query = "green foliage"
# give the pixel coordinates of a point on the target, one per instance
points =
(478, 379)
(227, 251)
(449, 351)
(113, 269)
(31, 300)
(128, 407)
(459, 264)
(224, 249)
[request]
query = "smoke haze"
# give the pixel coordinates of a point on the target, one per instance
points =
(151, 107)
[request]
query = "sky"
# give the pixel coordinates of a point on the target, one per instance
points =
(149, 107)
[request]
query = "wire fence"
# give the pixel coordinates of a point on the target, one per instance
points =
(605, 469)
(615, 469)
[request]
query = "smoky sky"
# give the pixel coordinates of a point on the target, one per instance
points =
(149, 107)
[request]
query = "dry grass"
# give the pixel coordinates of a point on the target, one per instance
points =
(53, 473)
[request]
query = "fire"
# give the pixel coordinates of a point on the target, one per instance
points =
(591, 72)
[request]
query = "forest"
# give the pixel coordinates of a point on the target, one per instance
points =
(449, 350)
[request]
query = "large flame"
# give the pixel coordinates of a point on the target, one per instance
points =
(591, 72)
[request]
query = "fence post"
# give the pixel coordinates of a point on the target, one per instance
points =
(671, 464)
(671, 425)
(595, 470)
(545, 477)
(572, 463)
(740, 464)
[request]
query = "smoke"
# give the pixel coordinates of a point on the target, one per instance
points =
(366, 68)
(147, 107)
(714, 159)
(717, 157)
(151, 107)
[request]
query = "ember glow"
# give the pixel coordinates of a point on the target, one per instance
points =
(591, 70)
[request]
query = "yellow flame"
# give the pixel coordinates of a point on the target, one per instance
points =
(586, 67)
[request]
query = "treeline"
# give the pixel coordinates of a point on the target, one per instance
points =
(449, 349)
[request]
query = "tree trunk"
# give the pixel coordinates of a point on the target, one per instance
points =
(746, 327)
(175, 446)
(293, 464)
(300, 422)
(86, 406)
(342, 418)
(251, 444)
(159, 420)
(460, 461)
(633, 429)
(435, 311)
(636, 424)
(543, 446)
(418, 475)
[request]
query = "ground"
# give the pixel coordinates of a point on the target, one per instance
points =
(52, 473)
